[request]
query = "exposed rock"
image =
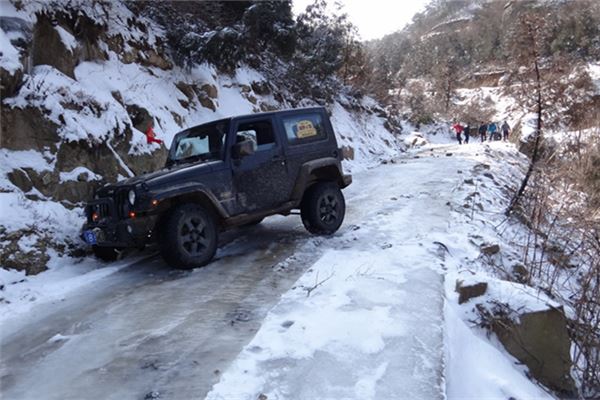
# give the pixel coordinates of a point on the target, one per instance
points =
(95, 157)
(19, 178)
(153, 59)
(267, 107)
(490, 249)
(210, 90)
(261, 88)
(140, 117)
(49, 49)
(245, 88)
(177, 118)
(186, 89)
(74, 191)
(348, 152)
(117, 96)
(540, 340)
(32, 260)
(520, 273)
(467, 292)
(10, 83)
(251, 99)
(27, 129)
(469, 181)
(207, 103)
(140, 163)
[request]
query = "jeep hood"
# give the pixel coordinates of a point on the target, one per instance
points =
(167, 176)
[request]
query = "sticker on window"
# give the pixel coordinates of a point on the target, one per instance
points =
(305, 129)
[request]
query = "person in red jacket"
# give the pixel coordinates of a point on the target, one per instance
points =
(458, 128)
(151, 136)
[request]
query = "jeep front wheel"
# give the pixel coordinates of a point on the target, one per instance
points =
(189, 237)
(323, 208)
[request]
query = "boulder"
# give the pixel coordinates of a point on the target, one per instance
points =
(20, 179)
(520, 273)
(490, 249)
(467, 292)
(540, 340)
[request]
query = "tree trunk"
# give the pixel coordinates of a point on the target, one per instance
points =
(536, 145)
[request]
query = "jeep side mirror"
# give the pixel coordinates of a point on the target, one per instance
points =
(242, 149)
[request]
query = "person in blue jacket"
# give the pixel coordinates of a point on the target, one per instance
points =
(492, 128)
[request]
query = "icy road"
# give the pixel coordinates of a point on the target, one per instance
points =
(279, 313)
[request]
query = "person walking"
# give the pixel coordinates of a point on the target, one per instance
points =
(492, 128)
(505, 131)
(482, 131)
(458, 129)
(467, 132)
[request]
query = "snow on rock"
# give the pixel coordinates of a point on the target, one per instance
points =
(9, 56)
(19, 212)
(75, 173)
(366, 134)
(67, 38)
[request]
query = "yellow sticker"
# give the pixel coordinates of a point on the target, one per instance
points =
(305, 129)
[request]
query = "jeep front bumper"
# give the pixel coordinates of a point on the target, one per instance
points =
(132, 232)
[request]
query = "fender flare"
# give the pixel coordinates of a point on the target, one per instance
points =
(192, 190)
(331, 170)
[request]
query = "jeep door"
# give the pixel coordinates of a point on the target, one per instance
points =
(259, 179)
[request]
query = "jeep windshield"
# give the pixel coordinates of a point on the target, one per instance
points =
(201, 143)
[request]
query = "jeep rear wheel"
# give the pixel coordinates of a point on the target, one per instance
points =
(189, 237)
(323, 208)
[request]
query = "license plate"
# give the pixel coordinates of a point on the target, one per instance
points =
(90, 237)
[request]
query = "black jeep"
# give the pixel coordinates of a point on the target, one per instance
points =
(222, 174)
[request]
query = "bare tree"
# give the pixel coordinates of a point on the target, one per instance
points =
(527, 46)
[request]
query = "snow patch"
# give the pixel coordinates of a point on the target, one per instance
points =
(67, 38)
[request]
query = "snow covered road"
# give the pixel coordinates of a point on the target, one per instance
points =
(251, 322)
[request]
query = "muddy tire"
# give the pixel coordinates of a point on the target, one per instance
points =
(188, 237)
(323, 208)
(105, 253)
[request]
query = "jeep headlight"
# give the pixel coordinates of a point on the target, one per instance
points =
(131, 197)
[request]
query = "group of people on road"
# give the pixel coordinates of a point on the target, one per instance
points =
(487, 131)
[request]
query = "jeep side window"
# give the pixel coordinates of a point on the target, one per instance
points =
(260, 132)
(303, 128)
